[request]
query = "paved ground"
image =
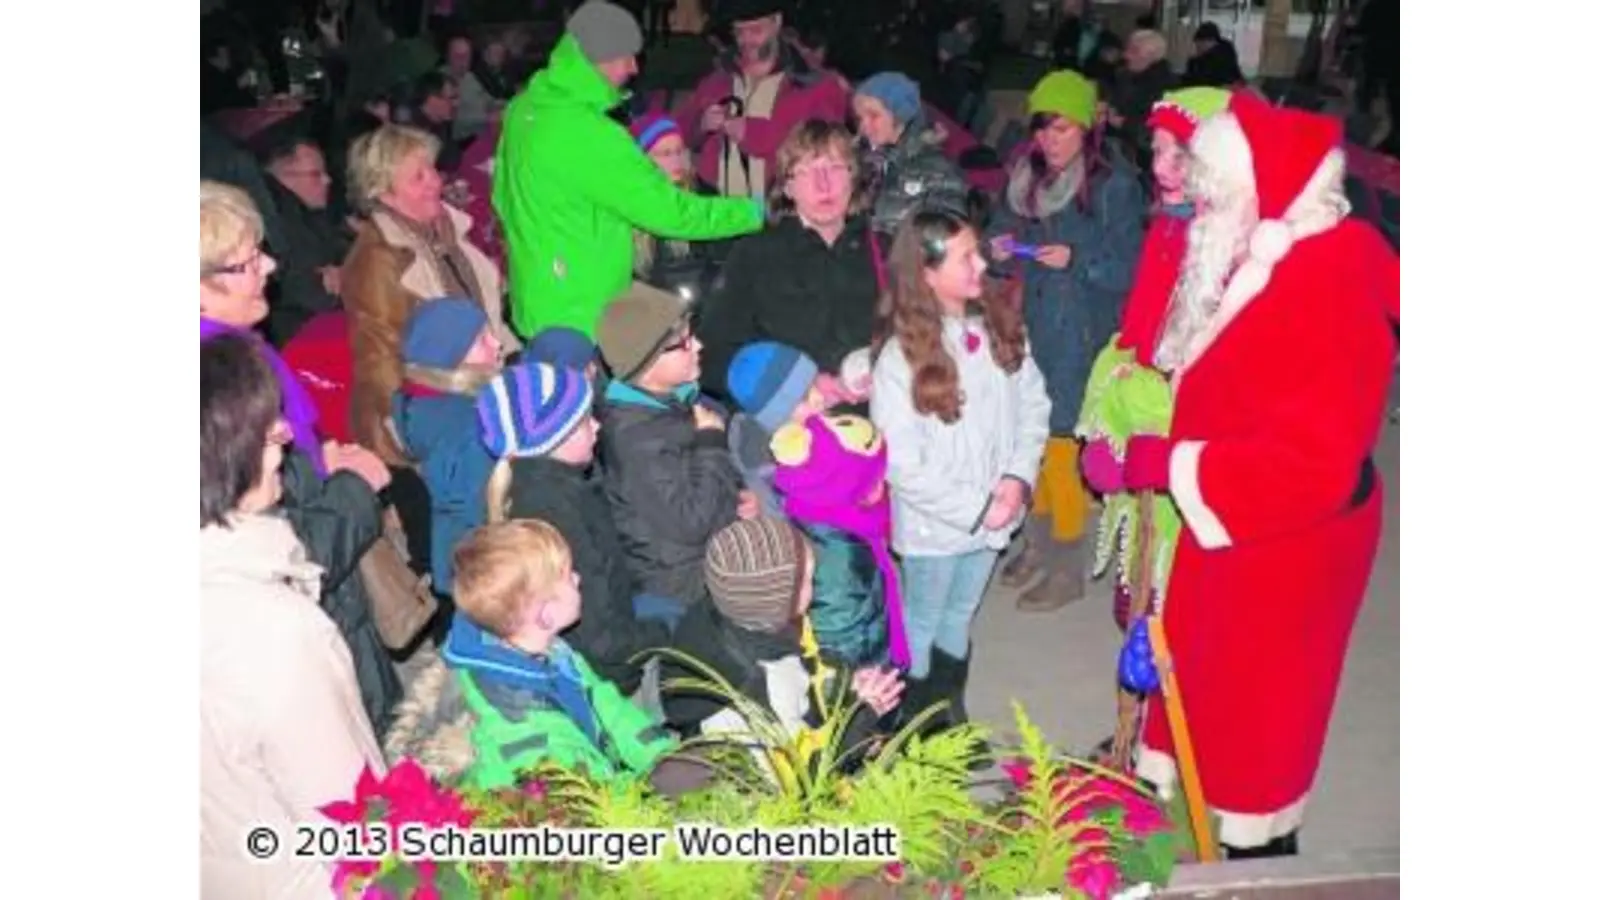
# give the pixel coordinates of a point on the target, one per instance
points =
(1060, 666)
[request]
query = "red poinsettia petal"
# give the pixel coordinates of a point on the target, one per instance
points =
(367, 785)
(344, 811)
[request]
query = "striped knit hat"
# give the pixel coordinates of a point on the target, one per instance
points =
(530, 408)
(753, 571)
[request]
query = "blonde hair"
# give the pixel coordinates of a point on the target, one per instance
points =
(463, 381)
(229, 221)
(504, 567)
(374, 156)
(497, 493)
(815, 138)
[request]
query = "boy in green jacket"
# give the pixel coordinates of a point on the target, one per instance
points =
(570, 184)
(533, 698)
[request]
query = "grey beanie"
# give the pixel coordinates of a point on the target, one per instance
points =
(605, 31)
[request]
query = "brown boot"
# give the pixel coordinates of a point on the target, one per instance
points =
(1065, 582)
(1022, 560)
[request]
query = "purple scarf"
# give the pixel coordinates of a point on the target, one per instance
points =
(297, 406)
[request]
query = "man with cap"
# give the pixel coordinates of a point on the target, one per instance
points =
(571, 185)
(1280, 351)
(755, 94)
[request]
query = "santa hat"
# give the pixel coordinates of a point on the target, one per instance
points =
(1182, 111)
(1292, 161)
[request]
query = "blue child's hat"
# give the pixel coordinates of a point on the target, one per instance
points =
(530, 408)
(768, 380)
(440, 332)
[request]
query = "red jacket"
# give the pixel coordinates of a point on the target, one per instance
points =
(805, 93)
(320, 355)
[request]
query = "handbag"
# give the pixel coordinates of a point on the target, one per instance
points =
(402, 601)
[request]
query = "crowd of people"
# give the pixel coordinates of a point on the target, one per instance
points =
(762, 380)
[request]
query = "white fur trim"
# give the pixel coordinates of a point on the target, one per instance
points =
(1320, 205)
(1270, 242)
(1183, 477)
(1236, 829)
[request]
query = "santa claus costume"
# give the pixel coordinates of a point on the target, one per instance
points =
(1280, 368)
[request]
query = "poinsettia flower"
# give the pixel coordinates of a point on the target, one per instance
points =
(1093, 836)
(1018, 770)
(345, 870)
(427, 891)
(1145, 818)
(345, 812)
(1094, 874)
(373, 892)
(536, 788)
(894, 872)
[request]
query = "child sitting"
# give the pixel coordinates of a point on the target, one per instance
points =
(533, 698)
(449, 352)
(774, 384)
(755, 634)
(664, 453)
(537, 421)
(830, 471)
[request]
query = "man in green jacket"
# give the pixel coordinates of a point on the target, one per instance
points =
(570, 185)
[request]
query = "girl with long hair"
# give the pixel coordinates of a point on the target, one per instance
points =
(965, 413)
(1080, 207)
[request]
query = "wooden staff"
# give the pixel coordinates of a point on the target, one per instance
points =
(1188, 771)
(1128, 702)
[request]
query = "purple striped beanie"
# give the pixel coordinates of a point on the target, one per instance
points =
(530, 408)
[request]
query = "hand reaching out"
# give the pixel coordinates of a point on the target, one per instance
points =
(879, 689)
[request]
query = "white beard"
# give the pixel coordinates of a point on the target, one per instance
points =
(1217, 239)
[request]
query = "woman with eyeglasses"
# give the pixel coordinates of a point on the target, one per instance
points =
(328, 489)
(283, 729)
(685, 268)
(811, 280)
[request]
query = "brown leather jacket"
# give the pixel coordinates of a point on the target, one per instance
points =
(385, 277)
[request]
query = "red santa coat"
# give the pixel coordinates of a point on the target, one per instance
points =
(1275, 418)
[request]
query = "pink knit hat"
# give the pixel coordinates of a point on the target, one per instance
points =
(650, 128)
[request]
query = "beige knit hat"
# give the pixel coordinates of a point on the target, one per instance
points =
(636, 325)
(753, 571)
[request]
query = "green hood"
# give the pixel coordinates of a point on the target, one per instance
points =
(571, 80)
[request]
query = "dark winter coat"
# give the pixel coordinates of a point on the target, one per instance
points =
(440, 431)
(911, 174)
(338, 520)
(671, 487)
(311, 239)
(1072, 312)
(607, 635)
(1217, 67)
(785, 284)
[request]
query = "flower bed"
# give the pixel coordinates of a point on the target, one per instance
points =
(1066, 828)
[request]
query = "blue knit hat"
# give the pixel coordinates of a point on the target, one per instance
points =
(898, 94)
(440, 332)
(560, 346)
(531, 407)
(768, 380)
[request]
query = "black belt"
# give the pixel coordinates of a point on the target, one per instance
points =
(1366, 483)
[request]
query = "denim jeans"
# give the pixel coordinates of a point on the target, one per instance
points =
(941, 595)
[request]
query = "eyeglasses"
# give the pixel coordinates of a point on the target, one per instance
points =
(251, 263)
(681, 342)
(816, 172)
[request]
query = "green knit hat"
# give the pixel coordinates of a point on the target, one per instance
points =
(1182, 111)
(1066, 94)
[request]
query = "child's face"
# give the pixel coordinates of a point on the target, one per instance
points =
(562, 606)
(485, 351)
(578, 448)
(812, 404)
(959, 277)
(677, 363)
